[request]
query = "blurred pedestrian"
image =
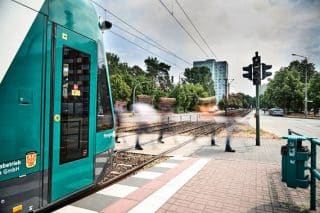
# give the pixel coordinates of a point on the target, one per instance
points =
(163, 121)
(118, 110)
(229, 128)
(144, 115)
(165, 105)
(264, 110)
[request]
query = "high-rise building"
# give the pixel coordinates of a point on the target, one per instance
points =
(219, 70)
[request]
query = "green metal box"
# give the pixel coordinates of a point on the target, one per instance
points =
(294, 158)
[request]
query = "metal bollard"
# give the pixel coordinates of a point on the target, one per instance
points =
(313, 187)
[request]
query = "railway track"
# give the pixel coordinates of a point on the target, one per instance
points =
(191, 128)
(116, 175)
(127, 163)
(169, 126)
(152, 128)
(196, 129)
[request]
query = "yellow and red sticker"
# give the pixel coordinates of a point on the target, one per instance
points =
(31, 159)
(75, 91)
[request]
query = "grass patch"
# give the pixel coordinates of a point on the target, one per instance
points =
(246, 131)
(251, 132)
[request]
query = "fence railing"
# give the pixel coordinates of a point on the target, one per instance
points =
(314, 173)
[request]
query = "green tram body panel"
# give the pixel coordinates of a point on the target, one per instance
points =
(32, 94)
(63, 173)
(20, 104)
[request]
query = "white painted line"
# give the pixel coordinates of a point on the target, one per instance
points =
(159, 197)
(73, 209)
(179, 157)
(118, 190)
(147, 175)
(166, 165)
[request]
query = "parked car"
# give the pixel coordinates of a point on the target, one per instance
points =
(276, 111)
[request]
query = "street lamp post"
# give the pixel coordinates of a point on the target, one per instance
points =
(179, 76)
(226, 96)
(134, 93)
(227, 83)
(306, 88)
(229, 88)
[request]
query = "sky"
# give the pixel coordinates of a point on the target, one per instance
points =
(233, 29)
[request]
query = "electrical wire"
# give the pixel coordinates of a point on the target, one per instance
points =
(184, 12)
(185, 30)
(132, 42)
(153, 42)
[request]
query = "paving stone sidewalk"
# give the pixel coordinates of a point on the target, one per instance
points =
(246, 181)
(237, 186)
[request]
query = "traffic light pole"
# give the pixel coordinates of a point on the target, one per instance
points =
(256, 72)
(257, 115)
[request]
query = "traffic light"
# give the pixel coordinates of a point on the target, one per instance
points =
(256, 77)
(265, 67)
(249, 70)
(256, 69)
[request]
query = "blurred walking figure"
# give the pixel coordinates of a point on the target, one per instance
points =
(118, 110)
(162, 127)
(165, 105)
(229, 127)
(144, 115)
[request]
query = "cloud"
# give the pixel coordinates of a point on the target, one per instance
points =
(233, 29)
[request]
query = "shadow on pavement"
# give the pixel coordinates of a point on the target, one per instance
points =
(282, 207)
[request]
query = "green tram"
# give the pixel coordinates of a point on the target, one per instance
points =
(56, 123)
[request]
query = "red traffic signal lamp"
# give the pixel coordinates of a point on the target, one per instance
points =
(249, 70)
(266, 67)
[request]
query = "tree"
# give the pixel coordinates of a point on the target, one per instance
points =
(314, 92)
(157, 94)
(120, 89)
(202, 76)
(222, 104)
(237, 100)
(301, 67)
(187, 96)
(136, 71)
(158, 72)
(115, 67)
(285, 90)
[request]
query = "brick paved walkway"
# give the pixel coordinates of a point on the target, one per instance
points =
(237, 186)
(246, 181)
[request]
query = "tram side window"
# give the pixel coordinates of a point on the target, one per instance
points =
(104, 113)
(75, 90)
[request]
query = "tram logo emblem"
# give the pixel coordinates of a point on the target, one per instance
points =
(31, 159)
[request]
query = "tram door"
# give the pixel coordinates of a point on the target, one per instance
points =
(74, 111)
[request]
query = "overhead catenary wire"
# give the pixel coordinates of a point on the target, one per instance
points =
(151, 41)
(132, 42)
(185, 30)
(196, 29)
(152, 44)
(125, 22)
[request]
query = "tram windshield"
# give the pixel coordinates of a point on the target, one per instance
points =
(104, 113)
